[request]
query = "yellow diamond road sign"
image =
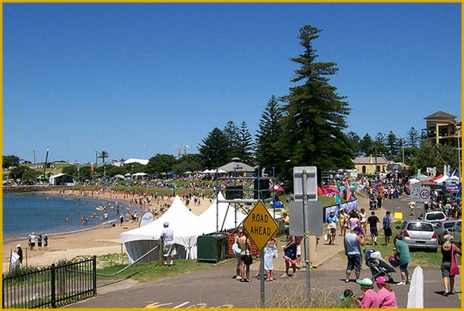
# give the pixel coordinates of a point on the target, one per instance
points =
(260, 225)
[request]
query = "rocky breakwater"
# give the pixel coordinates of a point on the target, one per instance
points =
(29, 188)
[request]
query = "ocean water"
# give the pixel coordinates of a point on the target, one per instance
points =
(52, 214)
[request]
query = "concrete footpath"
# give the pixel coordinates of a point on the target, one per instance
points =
(215, 287)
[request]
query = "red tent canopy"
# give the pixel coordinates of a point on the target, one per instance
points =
(276, 188)
(437, 177)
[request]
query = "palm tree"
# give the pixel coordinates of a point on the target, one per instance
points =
(103, 155)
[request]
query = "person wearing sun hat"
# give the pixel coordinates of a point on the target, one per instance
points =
(385, 294)
(369, 298)
(448, 250)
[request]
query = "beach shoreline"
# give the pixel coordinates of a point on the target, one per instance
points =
(97, 240)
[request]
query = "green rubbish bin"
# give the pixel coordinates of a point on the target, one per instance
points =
(212, 247)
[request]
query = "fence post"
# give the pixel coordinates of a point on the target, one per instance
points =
(53, 287)
(94, 263)
(61, 277)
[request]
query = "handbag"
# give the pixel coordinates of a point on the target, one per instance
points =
(236, 249)
(454, 269)
(247, 259)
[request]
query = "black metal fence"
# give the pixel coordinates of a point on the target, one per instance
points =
(51, 287)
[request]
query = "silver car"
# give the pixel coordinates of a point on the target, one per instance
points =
(452, 227)
(419, 234)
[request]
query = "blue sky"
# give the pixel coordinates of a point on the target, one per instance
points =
(136, 80)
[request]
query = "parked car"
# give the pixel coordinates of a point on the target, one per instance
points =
(419, 234)
(452, 227)
(434, 216)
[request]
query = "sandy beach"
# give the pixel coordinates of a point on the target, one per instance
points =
(95, 241)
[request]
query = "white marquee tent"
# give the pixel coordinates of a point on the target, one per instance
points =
(186, 226)
(223, 214)
(183, 222)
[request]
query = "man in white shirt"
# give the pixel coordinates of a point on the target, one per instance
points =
(169, 248)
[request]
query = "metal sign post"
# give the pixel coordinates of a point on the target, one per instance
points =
(306, 238)
(260, 226)
(305, 189)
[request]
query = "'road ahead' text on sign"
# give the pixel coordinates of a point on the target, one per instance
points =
(260, 225)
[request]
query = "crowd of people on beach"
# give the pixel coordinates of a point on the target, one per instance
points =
(41, 239)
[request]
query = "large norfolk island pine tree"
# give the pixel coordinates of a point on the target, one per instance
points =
(315, 114)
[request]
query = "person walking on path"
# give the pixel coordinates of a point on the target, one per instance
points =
(245, 257)
(386, 296)
(402, 252)
(369, 298)
(373, 220)
(354, 220)
(352, 244)
(363, 219)
(448, 251)
(332, 221)
(169, 250)
(289, 256)
(238, 253)
(387, 227)
(343, 221)
(45, 241)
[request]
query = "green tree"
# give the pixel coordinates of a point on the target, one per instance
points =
(113, 170)
(160, 164)
(366, 145)
(269, 151)
(380, 145)
(70, 170)
(231, 131)
(188, 162)
(103, 155)
(393, 144)
(29, 175)
(245, 143)
(84, 173)
(435, 155)
(355, 143)
(214, 149)
(315, 114)
(23, 173)
(10, 161)
(413, 138)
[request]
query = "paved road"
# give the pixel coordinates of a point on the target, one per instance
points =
(215, 287)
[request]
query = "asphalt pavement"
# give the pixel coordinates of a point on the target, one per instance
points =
(215, 288)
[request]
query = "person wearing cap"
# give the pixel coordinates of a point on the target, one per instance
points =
(448, 249)
(352, 244)
(169, 249)
(369, 298)
(385, 295)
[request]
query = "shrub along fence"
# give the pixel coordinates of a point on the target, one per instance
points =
(51, 287)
